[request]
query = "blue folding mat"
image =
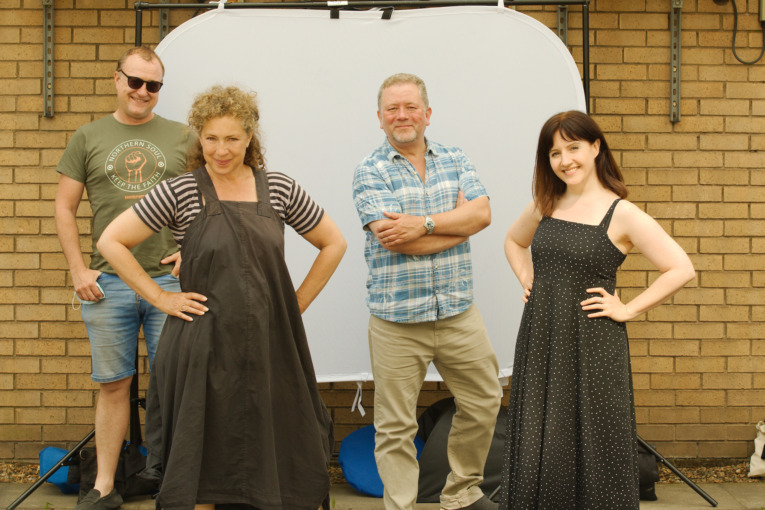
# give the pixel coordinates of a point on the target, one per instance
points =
(49, 456)
(357, 460)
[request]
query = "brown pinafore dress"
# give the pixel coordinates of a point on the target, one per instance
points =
(234, 392)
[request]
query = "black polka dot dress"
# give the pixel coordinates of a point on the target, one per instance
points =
(571, 438)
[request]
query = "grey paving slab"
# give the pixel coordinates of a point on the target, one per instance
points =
(730, 496)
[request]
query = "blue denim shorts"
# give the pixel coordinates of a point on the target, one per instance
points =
(113, 324)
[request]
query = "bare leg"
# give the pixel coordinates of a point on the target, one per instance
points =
(112, 417)
(204, 507)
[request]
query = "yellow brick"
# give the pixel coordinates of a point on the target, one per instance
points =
(725, 347)
(724, 72)
(745, 262)
(754, 331)
(40, 313)
(724, 107)
(625, 72)
(746, 364)
(20, 433)
(656, 432)
(758, 381)
(667, 141)
(675, 415)
(646, 159)
(674, 348)
(69, 365)
(758, 314)
(746, 398)
(18, 398)
(39, 278)
(675, 381)
(671, 210)
(673, 313)
(698, 228)
(758, 278)
(619, 106)
(723, 142)
(646, 55)
(40, 381)
(65, 432)
(672, 176)
(605, 89)
(698, 432)
(63, 330)
(41, 416)
(725, 414)
(35, 347)
(702, 89)
(726, 450)
(700, 364)
(19, 261)
(697, 193)
(723, 210)
(92, 69)
(620, 38)
(724, 245)
(744, 125)
(723, 313)
(651, 365)
(758, 176)
(654, 398)
(650, 193)
(723, 176)
(747, 194)
(727, 381)
(646, 124)
(699, 331)
(67, 398)
(700, 125)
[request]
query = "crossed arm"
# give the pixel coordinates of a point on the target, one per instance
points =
(404, 233)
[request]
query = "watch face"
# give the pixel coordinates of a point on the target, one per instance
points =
(430, 224)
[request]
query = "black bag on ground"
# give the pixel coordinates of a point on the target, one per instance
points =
(126, 479)
(648, 470)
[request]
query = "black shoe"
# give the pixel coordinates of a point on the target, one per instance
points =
(482, 504)
(94, 501)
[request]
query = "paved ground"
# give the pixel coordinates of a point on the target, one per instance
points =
(729, 496)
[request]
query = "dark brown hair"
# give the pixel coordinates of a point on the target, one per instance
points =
(572, 125)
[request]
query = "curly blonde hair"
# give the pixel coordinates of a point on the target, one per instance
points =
(218, 101)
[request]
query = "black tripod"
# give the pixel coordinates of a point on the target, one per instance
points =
(662, 460)
(135, 438)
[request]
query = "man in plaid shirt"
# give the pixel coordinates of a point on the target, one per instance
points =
(419, 203)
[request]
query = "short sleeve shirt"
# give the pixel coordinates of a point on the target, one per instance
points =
(176, 203)
(415, 288)
(119, 164)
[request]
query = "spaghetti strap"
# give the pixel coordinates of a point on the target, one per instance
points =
(606, 221)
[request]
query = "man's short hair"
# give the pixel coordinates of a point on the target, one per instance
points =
(144, 52)
(403, 78)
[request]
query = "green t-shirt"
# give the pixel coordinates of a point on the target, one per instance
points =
(119, 164)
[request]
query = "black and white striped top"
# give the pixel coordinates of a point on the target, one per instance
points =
(175, 203)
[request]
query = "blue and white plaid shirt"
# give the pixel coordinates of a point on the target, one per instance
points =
(415, 288)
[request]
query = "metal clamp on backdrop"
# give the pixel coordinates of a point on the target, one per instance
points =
(334, 8)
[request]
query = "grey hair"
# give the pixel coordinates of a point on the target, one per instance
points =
(403, 78)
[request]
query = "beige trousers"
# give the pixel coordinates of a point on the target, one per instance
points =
(459, 347)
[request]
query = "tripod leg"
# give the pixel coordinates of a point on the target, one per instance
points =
(71, 453)
(680, 475)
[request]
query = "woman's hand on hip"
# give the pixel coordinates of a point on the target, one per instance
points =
(182, 304)
(604, 304)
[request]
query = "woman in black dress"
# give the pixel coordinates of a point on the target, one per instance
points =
(571, 436)
(234, 411)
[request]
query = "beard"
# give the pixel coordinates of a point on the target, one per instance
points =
(406, 137)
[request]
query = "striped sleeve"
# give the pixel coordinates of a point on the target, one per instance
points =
(296, 208)
(173, 203)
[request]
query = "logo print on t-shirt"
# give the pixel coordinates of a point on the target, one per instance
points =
(135, 166)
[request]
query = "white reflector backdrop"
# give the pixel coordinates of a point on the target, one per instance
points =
(493, 76)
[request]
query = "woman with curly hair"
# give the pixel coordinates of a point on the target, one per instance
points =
(235, 414)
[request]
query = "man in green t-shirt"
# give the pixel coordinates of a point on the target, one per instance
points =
(118, 159)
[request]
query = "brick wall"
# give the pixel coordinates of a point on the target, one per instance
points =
(698, 362)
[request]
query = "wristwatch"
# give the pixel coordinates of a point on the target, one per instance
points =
(429, 224)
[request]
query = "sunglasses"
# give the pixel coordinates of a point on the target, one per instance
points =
(136, 83)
